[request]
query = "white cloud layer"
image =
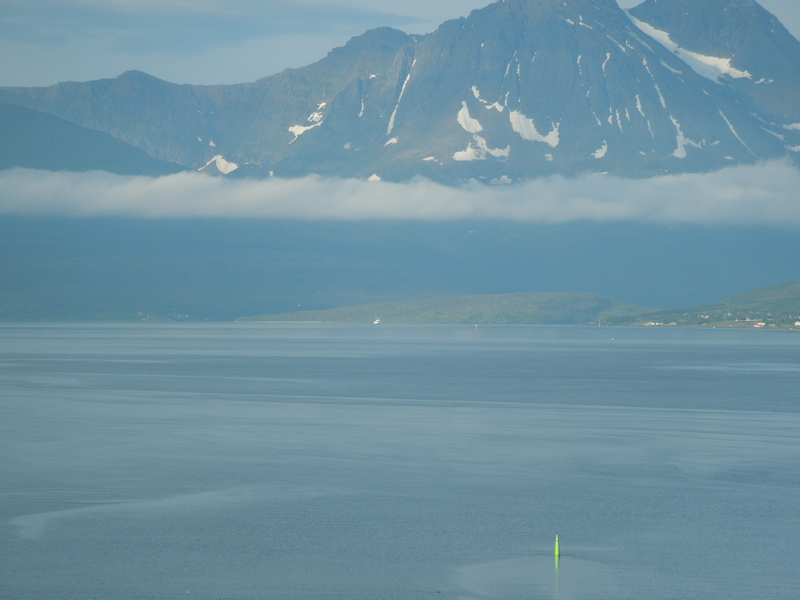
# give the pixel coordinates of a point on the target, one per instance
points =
(765, 194)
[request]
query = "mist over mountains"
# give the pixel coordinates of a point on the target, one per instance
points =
(519, 89)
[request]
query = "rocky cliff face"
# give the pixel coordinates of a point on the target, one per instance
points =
(754, 41)
(521, 88)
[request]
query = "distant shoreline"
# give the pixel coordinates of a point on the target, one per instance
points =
(773, 307)
(389, 323)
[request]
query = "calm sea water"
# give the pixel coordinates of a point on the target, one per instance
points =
(398, 462)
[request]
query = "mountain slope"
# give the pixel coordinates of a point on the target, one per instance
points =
(543, 308)
(39, 141)
(754, 41)
(189, 124)
(536, 87)
(518, 89)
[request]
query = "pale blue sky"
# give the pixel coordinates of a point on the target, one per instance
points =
(209, 41)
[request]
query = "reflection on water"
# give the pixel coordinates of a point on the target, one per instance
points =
(557, 559)
(536, 577)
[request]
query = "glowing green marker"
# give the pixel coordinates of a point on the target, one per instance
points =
(558, 552)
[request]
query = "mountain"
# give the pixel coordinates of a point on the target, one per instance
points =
(189, 125)
(37, 140)
(774, 305)
(542, 308)
(518, 89)
(756, 43)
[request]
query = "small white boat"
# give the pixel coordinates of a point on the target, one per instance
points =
(377, 322)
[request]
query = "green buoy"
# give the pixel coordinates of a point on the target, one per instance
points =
(558, 552)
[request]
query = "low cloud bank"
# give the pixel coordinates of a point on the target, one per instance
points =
(765, 194)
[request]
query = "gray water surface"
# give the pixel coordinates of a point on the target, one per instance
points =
(380, 462)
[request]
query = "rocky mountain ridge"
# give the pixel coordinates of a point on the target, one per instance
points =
(519, 89)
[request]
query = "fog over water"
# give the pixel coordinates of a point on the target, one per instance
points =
(360, 461)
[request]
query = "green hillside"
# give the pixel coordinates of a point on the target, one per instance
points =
(777, 305)
(545, 308)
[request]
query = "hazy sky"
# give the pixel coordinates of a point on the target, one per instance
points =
(209, 41)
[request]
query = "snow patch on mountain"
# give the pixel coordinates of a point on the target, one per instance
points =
(777, 135)
(682, 140)
(299, 130)
(480, 151)
(655, 83)
(733, 131)
(497, 106)
(710, 67)
(469, 124)
(222, 165)
(675, 71)
(601, 152)
(316, 119)
(527, 130)
(402, 91)
(621, 47)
